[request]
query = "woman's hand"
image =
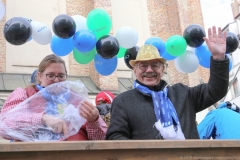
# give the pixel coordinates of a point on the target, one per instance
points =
(89, 111)
(216, 43)
(58, 125)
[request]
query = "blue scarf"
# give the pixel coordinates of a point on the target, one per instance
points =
(52, 108)
(167, 120)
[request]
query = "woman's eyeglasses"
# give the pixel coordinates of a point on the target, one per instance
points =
(61, 77)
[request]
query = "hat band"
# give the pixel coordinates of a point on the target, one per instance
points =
(110, 98)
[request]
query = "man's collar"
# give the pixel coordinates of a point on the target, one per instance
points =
(156, 88)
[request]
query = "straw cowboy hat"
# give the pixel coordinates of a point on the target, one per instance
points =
(147, 52)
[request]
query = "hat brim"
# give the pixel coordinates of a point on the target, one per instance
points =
(133, 62)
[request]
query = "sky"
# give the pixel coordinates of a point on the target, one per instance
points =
(216, 12)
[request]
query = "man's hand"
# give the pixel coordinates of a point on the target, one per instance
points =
(216, 43)
(89, 111)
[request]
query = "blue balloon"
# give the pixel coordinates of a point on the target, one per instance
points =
(84, 40)
(230, 62)
(60, 46)
(203, 55)
(104, 66)
(158, 43)
(30, 38)
(168, 56)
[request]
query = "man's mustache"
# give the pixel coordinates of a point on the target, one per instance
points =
(145, 74)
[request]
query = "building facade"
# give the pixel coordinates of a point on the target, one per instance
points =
(233, 94)
(161, 18)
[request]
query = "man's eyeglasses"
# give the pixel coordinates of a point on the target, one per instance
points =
(154, 65)
(61, 77)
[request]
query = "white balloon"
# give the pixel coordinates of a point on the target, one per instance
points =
(127, 37)
(41, 33)
(188, 62)
(81, 22)
(177, 67)
(190, 49)
(2, 10)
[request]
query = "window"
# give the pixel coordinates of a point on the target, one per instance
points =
(235, 88)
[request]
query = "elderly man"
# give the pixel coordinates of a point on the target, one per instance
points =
(154, 110)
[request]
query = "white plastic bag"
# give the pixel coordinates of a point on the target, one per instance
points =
(61, 100)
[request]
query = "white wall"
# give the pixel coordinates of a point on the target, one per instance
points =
(25, 58)
(233, 28)
(200, 115)
(131, 13)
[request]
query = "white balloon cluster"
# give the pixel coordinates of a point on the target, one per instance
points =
(43, 35)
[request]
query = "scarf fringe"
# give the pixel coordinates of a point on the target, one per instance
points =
(169, 132)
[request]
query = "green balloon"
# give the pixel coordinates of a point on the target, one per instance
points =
(99, 22)
(121, 52)
(176, 45)
(84, 58)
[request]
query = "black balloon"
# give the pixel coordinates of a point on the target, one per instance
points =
(193, 35)
(17, 30)
(64, 26)
(130, 54)
(232, 42)
(107, 47)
